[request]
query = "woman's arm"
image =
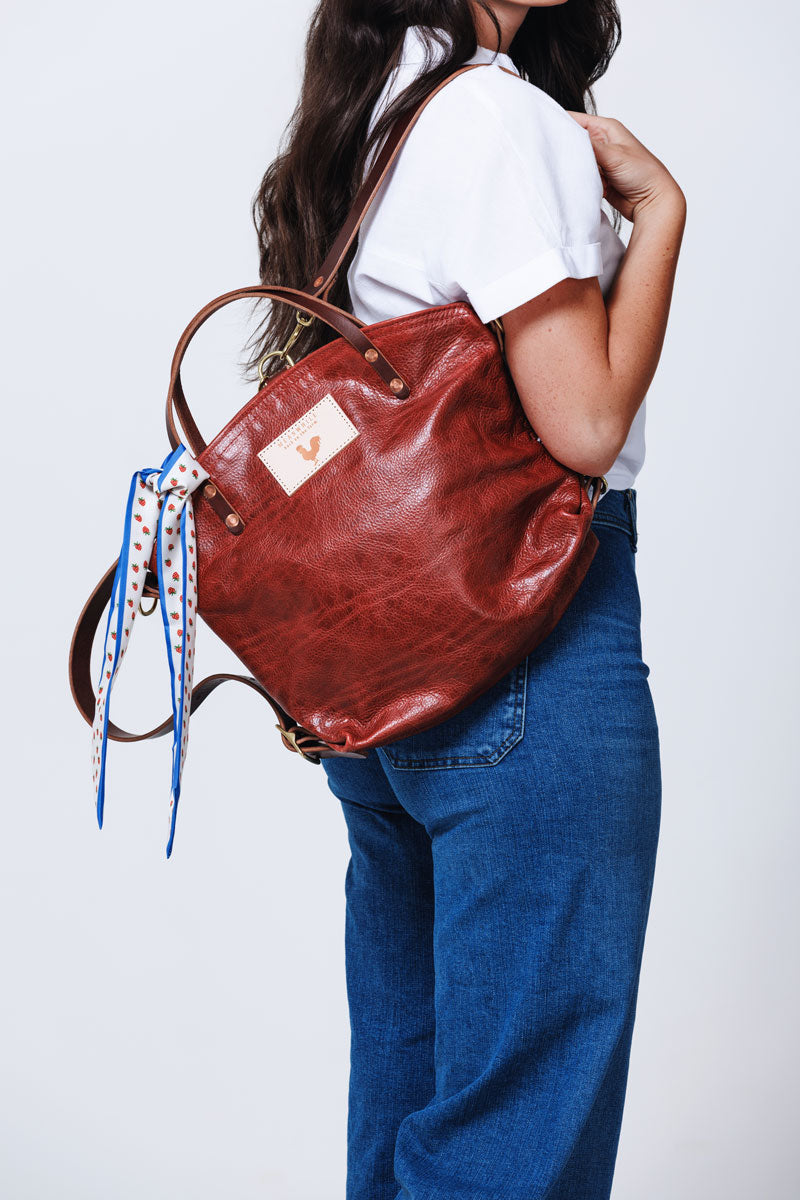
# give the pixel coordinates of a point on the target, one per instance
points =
(582, 365)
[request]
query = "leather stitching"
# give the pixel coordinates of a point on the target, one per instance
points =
(349, 433)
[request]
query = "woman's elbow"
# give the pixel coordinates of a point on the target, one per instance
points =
(590, 448)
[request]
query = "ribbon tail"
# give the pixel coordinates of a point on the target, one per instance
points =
(177, 585)
(189, 618)
(137, 542)
(176, 612)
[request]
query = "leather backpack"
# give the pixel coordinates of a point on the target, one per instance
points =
(378, 534)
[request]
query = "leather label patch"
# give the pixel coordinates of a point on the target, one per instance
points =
(299, 452)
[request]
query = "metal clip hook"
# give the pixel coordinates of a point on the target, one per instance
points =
(285, 357)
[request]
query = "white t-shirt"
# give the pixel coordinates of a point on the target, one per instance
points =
(494, 198)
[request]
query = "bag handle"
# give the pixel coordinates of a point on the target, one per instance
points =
(343, 322)
(295, 738)
(326, 275)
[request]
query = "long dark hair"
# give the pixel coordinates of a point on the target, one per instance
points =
(351, 48)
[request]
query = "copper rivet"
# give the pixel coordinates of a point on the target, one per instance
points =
(318, 280)
(209, 491)
(371, 354)
(396, 384)
(231, 520)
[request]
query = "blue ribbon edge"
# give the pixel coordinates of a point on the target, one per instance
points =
(177, 715)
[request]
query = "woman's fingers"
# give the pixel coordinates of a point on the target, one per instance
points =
(632, 176)
(607, 131)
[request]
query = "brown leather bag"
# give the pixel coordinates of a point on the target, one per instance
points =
(382, 535)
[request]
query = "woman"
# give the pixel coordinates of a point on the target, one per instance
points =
(502, 862)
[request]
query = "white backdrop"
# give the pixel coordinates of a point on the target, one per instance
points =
(179, 1029)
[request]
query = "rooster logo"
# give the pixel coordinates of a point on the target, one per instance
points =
(310, 454)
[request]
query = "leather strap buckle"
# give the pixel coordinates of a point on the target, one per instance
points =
(290, 741)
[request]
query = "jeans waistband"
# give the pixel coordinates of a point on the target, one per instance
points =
(617, 508)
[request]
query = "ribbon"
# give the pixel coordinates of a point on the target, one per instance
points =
(159, 510)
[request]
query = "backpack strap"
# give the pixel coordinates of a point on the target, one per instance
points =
(325, 277)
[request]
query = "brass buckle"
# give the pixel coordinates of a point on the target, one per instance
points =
(148, 612)
(290, 738)
(302, 323)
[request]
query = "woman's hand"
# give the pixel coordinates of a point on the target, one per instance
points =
(634, 180)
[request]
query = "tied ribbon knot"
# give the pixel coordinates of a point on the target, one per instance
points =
(159, 510)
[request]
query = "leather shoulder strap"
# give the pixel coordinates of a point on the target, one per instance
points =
(324, 278)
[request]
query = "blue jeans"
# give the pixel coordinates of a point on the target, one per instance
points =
(497, 896)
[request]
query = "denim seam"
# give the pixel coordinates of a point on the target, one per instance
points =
(631, 502)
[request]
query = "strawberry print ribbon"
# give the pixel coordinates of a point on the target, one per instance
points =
(159, 509)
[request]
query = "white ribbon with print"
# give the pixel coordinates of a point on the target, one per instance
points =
(159, 508)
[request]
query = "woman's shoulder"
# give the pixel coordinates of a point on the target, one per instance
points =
(491, 102)
(495, 197)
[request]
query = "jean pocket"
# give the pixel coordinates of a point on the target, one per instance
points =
(479, 736)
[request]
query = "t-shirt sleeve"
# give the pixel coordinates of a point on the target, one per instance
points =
(518, 197)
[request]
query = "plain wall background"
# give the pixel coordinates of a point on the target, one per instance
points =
(179, 1029)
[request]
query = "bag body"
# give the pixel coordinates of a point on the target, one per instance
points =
(415, 566)
(378, 535)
